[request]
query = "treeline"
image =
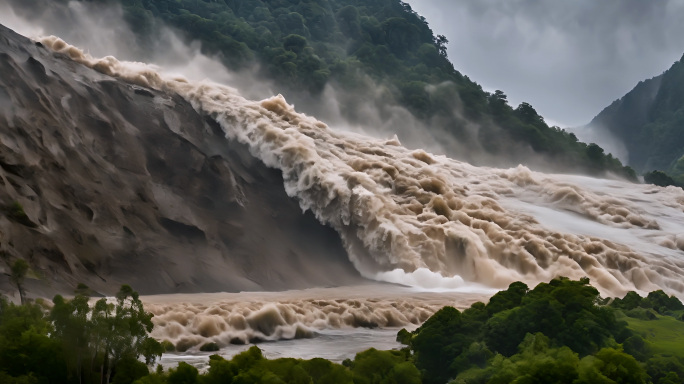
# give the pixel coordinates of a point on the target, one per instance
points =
(303, 45)
(74, 342)
(371, 366)
(673, 177)
(558, 332)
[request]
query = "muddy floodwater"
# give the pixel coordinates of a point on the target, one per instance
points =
(332, 323)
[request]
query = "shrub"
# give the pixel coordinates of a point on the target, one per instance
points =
(209, 347)
(15, 211)
(168, 346)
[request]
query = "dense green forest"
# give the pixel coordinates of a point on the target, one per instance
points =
(558, 332)
(363, 48)
(650, 121)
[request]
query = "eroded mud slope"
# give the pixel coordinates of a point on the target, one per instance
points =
(121, 184)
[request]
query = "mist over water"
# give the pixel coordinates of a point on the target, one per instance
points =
(100, 30)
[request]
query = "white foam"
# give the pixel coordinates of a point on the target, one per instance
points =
(411, 217)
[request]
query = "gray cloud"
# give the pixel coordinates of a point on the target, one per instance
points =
(569, 59)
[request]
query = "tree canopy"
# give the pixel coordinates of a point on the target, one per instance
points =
(74, 342)
(305, 45)
(558, 332)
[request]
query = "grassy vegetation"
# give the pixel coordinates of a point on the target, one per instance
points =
(664, 335)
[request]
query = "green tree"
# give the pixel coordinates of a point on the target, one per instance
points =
(294, 43)
(564, 310)
(128, 370)
(437, 342)
(661, 302)
(348, 21)
(659, 178)
(325, 372)
(183, 374)
(528, 114)
(109, 337)
(379, 367)
(507, 299)
(346, 43)
(72, 328)
(441, 43)
(27, 353)
(630, 301)
(220, 371)
(662, 368)
(611, 366)
(594, 153)
(122, 330)
(17, 275)
(535, 362)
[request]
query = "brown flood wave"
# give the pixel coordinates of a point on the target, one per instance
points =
(401, 212)
(190, 321)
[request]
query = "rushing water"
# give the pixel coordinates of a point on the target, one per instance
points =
(332, 323)
(409, 217)
(370, 314)
(333, 344)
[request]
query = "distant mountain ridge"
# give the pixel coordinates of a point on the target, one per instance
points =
(650, 121)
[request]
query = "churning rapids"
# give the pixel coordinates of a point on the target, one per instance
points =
(428, 222)
(333, 323)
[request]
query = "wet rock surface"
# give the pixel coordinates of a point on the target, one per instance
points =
(123, 184)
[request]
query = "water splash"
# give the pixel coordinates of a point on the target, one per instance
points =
(405, 214)
(189, 321)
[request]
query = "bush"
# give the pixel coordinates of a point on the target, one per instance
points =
(168, 346)
(636, 346)
(662, 368)
(128, 370)
(662, 303)
(611, 366)
(15, 211)
(630, 301)
(220, 370)
(209, 347)
(373, 366)
(642, 314)
(184, 374)
(660, 179)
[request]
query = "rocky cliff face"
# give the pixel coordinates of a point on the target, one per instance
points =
(122, 184)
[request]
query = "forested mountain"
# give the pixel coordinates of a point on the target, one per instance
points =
(650, 121)
(375, 54)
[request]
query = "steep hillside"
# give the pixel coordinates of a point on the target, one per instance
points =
(650, 121)
(105, 183)
(378, 59)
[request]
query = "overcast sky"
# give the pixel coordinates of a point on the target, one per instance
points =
(569, 59)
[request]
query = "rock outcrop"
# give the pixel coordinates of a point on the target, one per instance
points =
(123, 184)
